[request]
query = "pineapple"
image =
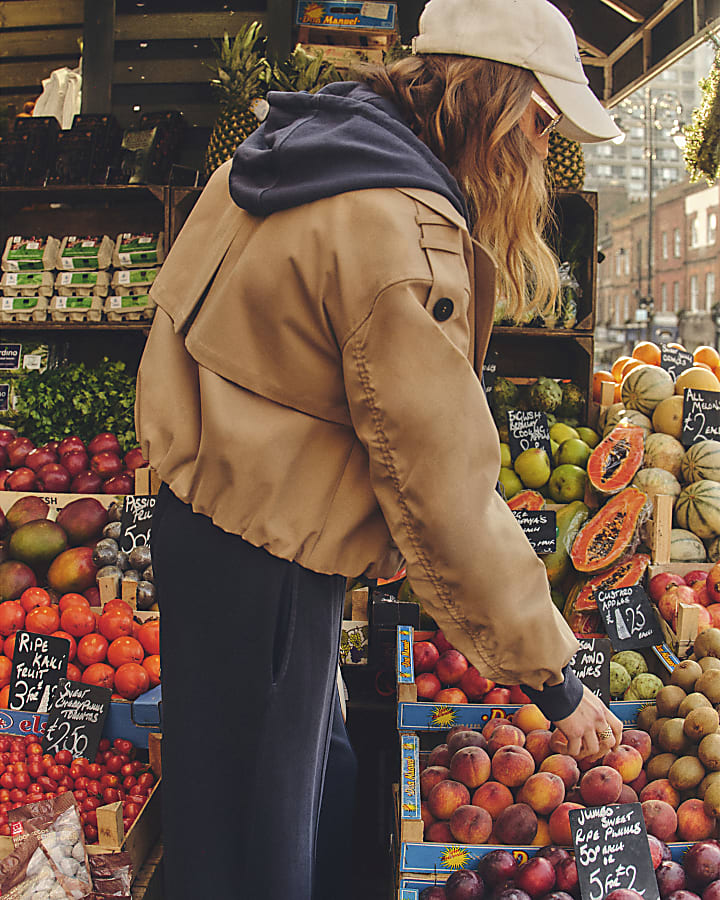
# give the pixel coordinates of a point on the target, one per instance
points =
(565, 166)
(302, 72)
(243, 75)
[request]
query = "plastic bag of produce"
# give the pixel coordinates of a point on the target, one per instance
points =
(111, 875)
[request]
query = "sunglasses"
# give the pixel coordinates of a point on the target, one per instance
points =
(547, 117)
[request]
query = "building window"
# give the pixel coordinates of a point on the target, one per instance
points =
(676, 296)
(677, 245)
(617, 311)
(663, 297)
(694, 292)
(709, 290)
(664, 241)
(711, 227)
(626, 304)
(618, 262)
(604, 171)
(637, 132)
(636, 153)
(627, 263)
(637, 172)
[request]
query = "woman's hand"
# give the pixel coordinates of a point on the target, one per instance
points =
(591, 729)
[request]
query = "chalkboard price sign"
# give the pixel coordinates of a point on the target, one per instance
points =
(675, 361)
(528, 428)
(39, 662)
(489, 371)
(612, 852)
(540, 527)
(136, 521)
(629, 618)
(701, 416)
(591, 664)
(76, 718)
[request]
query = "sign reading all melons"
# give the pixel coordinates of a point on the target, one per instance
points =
(701, 416)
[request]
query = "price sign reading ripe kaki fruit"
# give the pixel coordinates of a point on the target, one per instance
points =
(76, 718)
(612, 852)
(39, 662)
(136, 522)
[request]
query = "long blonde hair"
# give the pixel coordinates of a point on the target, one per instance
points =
(465, 110)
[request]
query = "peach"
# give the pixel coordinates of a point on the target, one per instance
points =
(518, 696)
(450, 696)
(693, 823)
(512, 766)
(563, 765)
(439, 833)
(516, 825)
(536, 877)
(430, 776)
(660, 789)
(439, 756)
(640, 740)
(505, 736)
(425, 656)
(558, 742)
(660, 819)
(500, 696)
(537, 743)
(450, 667)
(530, 718)
(425, 814)
(637, 784)
(427, 685)
(475, 685)
(559, 823)
(464, 738)
(542, 835)
(626, 760)
(714, 613)
(441, 642)
(471, 824)
(627, 795)
(543, 792)
(601, 785)
(470, 766)
(494, 797)
(445, 798)
(492, 724)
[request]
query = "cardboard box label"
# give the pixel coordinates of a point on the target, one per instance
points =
(405, 668)
(410, 777)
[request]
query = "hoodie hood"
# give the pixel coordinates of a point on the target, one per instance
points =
(343, 138)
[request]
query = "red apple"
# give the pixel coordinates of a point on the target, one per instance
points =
(660, 583)
(425, 655)
(104, 442)
(17, 450)
(441, 642)
(75, 461)
(38, 457)
(3, 457)
(51, 445)
(134, 459)
(517, 695)
(70, 443)
(119, 484)
(86, 483)
(498, 695)
(22, 479)
(106, 464)
(54, 478)
(6, 436)
(475, 685)
(5, 472)
(698, 582)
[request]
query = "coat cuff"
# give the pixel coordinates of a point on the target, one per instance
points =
(558, 700)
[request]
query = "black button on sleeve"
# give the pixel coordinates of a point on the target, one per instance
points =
(443, 309)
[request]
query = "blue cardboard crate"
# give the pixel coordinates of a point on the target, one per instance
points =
(355, 16)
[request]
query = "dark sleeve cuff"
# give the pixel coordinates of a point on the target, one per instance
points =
(558, 700)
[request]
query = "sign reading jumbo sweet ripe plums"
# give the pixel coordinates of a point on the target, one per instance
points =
(39, 662)
(591, 664)
(611, 851)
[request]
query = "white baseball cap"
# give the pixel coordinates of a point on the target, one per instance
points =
(531, 34)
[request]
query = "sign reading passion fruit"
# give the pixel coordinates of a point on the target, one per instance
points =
(701, 416)
(540, 527)
(136, 522)
(674, 360)
(528, 428)
(629, 618)
(591, 664)
(39, 662)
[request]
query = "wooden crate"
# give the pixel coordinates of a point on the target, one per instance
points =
(148, 883)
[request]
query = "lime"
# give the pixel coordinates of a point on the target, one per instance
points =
(510, 482)
(567, 483)
(505, 458)
(561, 432)
(533, 467)
(591, 438)
(575, 452)
(554, 447)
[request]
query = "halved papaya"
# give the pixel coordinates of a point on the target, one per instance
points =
(615, 461)
(623, 574)
(570, 519)
(610, 534)
(531, 500)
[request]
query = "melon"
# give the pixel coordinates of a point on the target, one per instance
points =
(612, 532)
(645, 387)
(701, 461)
(657, 481)
(713, 550)
(630, 417)
(685, 546)
(668, 416)
(664, 452)
(697, 378)
(527, 500)
(606, 414)
(697, 509)
(614, 462)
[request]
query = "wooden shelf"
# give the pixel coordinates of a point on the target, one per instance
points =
(76, 326)
(520, 331)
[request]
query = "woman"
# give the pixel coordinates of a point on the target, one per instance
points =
(309, 396)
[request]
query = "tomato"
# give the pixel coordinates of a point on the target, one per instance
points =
(131, 810)
(78, 768)
(63, 758)
(131, 680)
(123, 746)
(7, 780)
(12, 617)
(125, 649)
(66, 782)
(82, 782)
(9, 646)
(68, 600)
(91, 817)
(129, 783)
(5, 669)
(110, 795)
(18, 796)
(104, 744)
(109, 779)
(92, 648)
(42, 620)
(62, 789)
(57, 772)
(34, 596)
(48, 760)
(117, 605)
(90, 832)
(5, 830)
(34, 749)
(22, 780)
(70, 639)
(114, 764)
(146, 780)
(94, 788)
(149, 636)
(47, 784)
(100, 674)
(115, 624)
(4, 744)
(78, 621)
(151, 664)
(73, 672)
(80, 795)
(94, 770)
(35, 769)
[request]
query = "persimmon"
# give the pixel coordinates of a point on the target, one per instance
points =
(34, 596)
(151, 664)
(131, 680)
(92, 648)
(617, 367)
(123, 650)
(5, 697)
(599, 378)
(72, 599)
(5, 669)
(99, 674)
(42, 620)
(647, 352)
(115, 624)
(70, 639)
(708, 355)
(149, 636)
(78, 621)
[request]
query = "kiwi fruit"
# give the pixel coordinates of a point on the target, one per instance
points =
(686, 772)
(659, 766)
(709, 684)
(711, 799)
(701, 722)
(710, 778)
(668, 699)
(685, 674)
(691, 702)
(672, 737)
(646, 717)
(709, 752)
(707, 643)
(654, 730)
(709, 662)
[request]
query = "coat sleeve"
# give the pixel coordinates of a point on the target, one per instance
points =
(434, 456)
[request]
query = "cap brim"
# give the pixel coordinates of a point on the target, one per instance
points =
(585, 119)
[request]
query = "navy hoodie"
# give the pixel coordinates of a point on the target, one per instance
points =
(347, 138)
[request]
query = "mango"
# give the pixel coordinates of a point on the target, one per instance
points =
(38, 543)
(73, 571)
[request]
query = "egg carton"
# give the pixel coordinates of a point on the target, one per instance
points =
(134, 251)
(133, 281)
(76, 309)
(23, 309)
(30, 254)
(82, 284)
(88, 253)
(129, 308)
(27, 284)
